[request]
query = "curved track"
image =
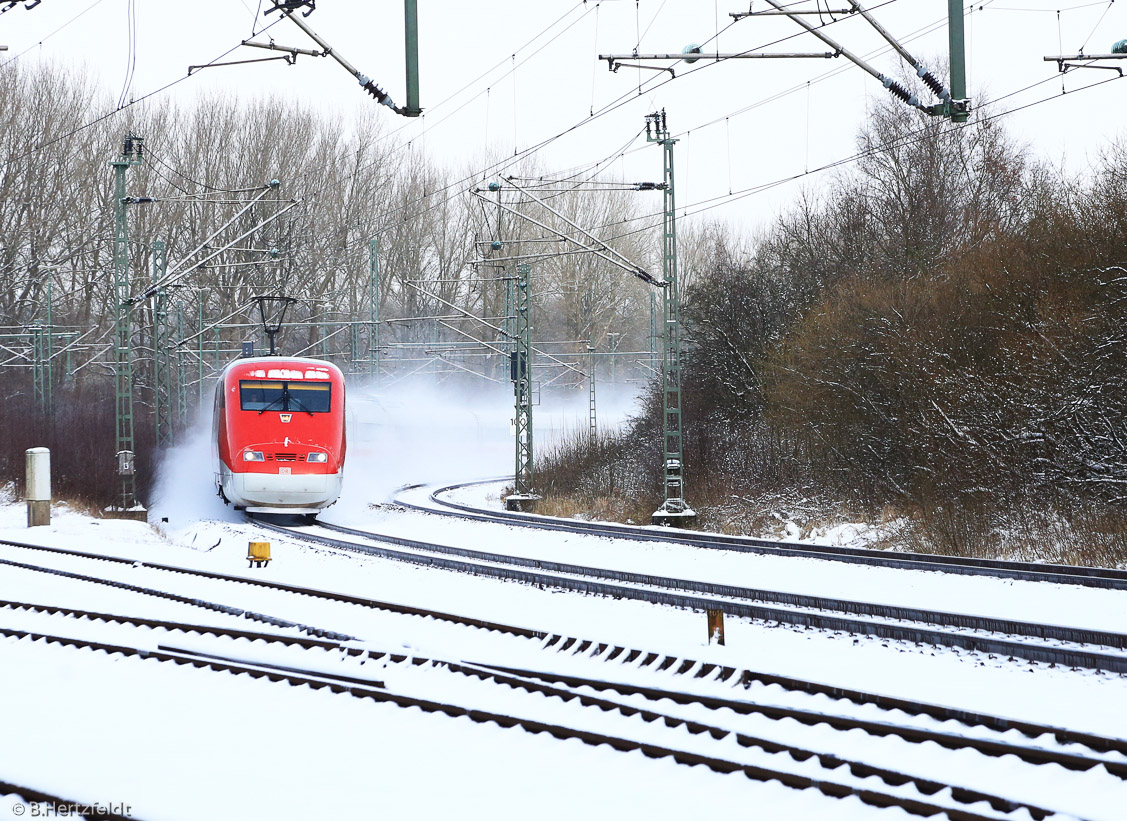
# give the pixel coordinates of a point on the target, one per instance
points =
(1043, 643)
(1024, 571)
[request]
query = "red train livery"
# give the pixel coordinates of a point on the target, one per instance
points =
(278, 434)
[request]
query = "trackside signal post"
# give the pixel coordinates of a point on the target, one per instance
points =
(674, 510)
(131, 154)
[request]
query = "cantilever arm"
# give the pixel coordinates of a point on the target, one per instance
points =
(365, 81)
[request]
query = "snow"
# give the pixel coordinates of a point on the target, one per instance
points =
(176, 741)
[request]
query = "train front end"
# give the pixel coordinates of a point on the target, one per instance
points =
(279, 434)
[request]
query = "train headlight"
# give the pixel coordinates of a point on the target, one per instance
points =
(253, 456)
(317, 457)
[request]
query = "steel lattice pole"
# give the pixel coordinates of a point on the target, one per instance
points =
(123, 361)
(674, 510)
(162, 382)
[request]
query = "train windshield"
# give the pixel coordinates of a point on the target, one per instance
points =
(288, 397)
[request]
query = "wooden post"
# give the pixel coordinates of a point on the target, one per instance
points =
(715, 626)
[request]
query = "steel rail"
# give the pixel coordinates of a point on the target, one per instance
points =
(290, 588)
(521, 677)
(843, 723)
(745, 678)
(987, 624)
(827, 761)
(952, 741)
(1069, 657)
(362, 688)
(625, 655)
(312, 678)
(186, 627)
(1109, 578)
(176, 597)
(528, 682)
(535, 682)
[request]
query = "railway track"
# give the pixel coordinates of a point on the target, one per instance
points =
(662, 734)
(1054, 645)
(690, 712)
(1106, 578)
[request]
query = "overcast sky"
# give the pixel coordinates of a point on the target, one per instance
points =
(506, 76)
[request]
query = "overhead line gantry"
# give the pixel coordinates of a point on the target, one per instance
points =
(952, 104)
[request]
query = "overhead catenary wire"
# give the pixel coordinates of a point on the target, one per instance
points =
(714, 202)
(47, 143)
(156, 157)
(1084, 45)
(605, 252)
(710, 203)
(500, 166)
(47, 37)
(697, 126)
(532, 149)
(178, 273)
(730, 197)
(131, 51)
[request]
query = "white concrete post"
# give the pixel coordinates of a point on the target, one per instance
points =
(38, 486)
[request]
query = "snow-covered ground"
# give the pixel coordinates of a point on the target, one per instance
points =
(177, 742)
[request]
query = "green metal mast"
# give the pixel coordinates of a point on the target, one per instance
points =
(181, 371)
(199, 355)
(592, 418)
(162, 365)
(49, 392)
(42, 338)
(411, 53)
(41, 366)
(374, 310)
(510, 323)
(131, 154)
(521, 373)
(957, 50)
(675, 510)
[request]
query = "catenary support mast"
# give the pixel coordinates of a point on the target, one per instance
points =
(131, 154)
(674, 510)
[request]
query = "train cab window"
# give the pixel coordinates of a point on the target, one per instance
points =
(288, 397)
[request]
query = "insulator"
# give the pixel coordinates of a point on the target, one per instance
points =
(375, 91)
(897, 90)
(936, 87)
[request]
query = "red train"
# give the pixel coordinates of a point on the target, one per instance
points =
(278, 434)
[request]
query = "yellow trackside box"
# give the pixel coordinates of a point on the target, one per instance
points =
(258, 553)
